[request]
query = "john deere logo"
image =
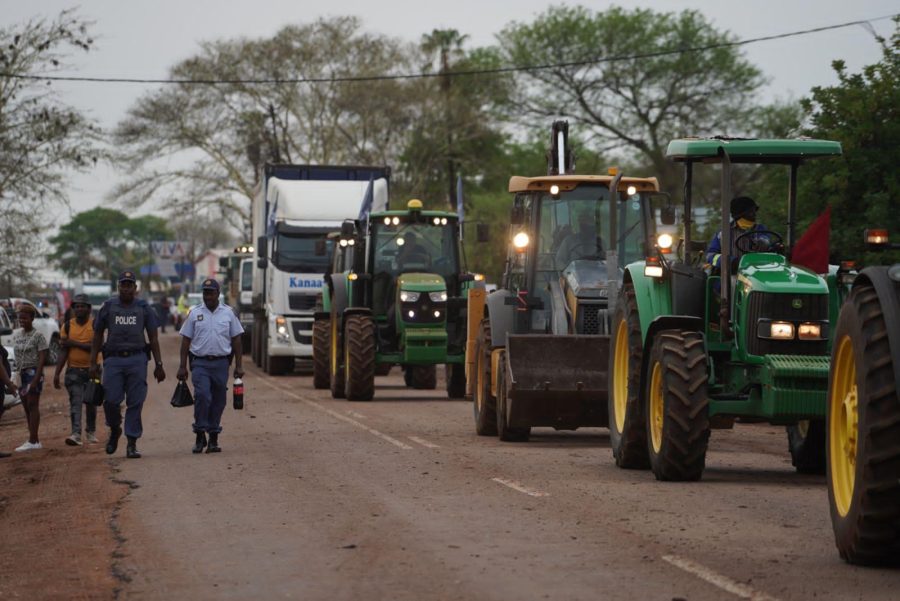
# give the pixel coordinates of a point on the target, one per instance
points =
(797, 303)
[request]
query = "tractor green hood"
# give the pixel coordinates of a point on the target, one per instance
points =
(421, 282)
(770, 272)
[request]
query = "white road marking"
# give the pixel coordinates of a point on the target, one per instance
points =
(337, 415)
(714, 578)
(516, 486)
(356, 415)
(424, 442)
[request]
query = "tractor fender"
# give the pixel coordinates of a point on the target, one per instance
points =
(667, 322)
(502, 316)
(888, 292)
(356, 311)
(653, 296)
(339, 298)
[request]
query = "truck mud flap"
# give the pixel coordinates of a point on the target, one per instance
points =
(558, 381)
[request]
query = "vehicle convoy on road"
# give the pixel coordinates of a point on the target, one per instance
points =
(539, 343)
(397, 296)
(294, 210)
(693, 350)
(864, 416)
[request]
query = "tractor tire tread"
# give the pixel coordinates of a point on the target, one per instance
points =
(321, 354)
(359, 336)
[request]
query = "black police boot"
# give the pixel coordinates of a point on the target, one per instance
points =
(131, 450)
(113, 443)
(201, 442)
(213, 443)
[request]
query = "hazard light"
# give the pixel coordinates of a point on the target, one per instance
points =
(877, 237)
(653, 268)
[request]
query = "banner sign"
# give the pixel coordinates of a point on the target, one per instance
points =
(170, 248)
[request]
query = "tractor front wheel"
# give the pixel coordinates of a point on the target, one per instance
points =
(806, 442)
(484, 404)
(627, 431)
(504, 430)
(422, 377)
(359, 358)
(863, 432)
(321, 377)
(455, 375)
(677, 406)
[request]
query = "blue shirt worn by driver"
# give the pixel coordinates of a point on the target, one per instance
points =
(211, 331)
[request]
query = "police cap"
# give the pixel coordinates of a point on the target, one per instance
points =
(210, 284)
(81, 299)
(127, 276)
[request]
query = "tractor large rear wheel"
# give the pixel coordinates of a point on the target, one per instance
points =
(359, 358)
(321, 334)
(422, 377)
(627, 430)
(336, 369)
(806, 442)
(455, 375)
(484, 404)
(504, 430)
(677, 406)
(863, 431)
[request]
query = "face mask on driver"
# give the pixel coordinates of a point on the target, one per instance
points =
(745, 224)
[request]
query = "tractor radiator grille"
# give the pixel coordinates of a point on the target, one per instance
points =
(765, 305)
(594, 319)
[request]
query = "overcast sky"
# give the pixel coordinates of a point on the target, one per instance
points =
(142, 39)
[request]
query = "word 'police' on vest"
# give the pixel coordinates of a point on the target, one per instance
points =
(126, 320)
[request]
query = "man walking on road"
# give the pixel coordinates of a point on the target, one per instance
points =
(76, 337)
(211, 336)
(125, 357)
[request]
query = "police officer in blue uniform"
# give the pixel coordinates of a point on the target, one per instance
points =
(211, 337)
(125, 319)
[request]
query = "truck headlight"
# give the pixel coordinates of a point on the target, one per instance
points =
(776, 330)
(408, 297)
(809, 331)
(281, 330)
(438, 297)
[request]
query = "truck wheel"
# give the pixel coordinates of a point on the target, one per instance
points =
(424, 377)
(806, 442)
(359, 358)
(504, 431)
(336, 370)
(53, 351)
(455, 375)
(677, 406)
(383, 369)
(627, 430)
(321, 376)
(484, 405)
(863, 430)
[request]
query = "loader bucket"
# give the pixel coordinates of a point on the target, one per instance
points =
(558, 381)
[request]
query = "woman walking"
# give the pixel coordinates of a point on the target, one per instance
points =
(31, 355)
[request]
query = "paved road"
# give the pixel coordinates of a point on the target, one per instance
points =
(315, 498)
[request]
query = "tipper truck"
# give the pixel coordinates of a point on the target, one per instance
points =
(294, 210)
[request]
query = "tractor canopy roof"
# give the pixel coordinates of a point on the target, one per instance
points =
(750, 150)
(570, 182)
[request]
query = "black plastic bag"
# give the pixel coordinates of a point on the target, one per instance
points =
(94, 393)
(182, 396)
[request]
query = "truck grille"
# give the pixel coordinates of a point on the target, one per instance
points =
(766, 305)
(301, 302)
(302, 331)
(594, 319)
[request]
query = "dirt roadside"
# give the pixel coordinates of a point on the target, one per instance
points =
(58, 510)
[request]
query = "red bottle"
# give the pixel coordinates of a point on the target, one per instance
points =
(238, 393)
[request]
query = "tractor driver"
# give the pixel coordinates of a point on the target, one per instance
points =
(743, 220)
(585, 243)
(412, 255)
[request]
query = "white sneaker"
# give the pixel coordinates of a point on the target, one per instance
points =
(89, 436)
(74, 440)
(29, 446)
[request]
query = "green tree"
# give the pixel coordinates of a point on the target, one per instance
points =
(862, 112)
(41, 137)
(633, 106)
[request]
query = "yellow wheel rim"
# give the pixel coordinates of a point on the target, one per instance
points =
(620, 376)
(479, 377)
(843, 425)
(657, 407)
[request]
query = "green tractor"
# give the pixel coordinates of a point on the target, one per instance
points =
(398, 297)
(864, 417)
(694, 349)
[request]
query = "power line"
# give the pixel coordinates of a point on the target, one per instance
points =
(422, 75)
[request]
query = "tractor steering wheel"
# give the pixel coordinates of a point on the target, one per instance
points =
(594, 246)
(759, 241)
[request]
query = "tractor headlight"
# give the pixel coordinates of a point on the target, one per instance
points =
(809, 331)
(438, 297)
(776, 330)
(665, 241)
(408, 297)
(520, 241)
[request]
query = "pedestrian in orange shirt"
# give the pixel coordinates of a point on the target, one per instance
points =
(75, 343)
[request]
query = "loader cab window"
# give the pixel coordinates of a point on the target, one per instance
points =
(573, 227)
(301, 251)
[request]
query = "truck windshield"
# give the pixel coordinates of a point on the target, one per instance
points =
(415, 247)
(306, 253)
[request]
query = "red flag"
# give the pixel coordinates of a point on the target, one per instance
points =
(811, 250)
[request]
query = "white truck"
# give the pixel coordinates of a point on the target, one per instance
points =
(294, 210)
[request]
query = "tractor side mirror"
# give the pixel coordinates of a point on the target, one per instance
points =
(667, 215)
(482, 232)
(261, 245)
(223, 262)
(262, 263)
(348, 229)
